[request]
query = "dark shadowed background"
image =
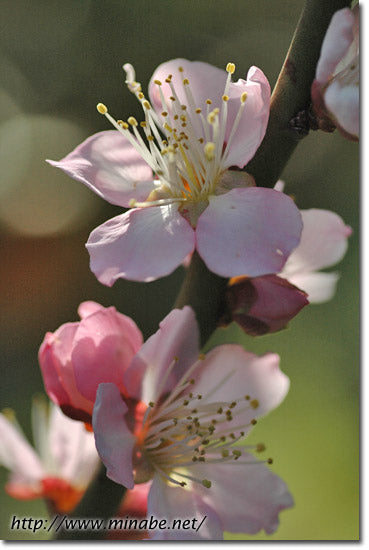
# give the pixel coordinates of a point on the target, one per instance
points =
(58, 59)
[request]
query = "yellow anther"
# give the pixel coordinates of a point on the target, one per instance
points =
(243, 97)
(143, 124)
(186, 81)
(254, 403)
(209, 102)
(141, 95)
(180, 69)
(151, 404)
(167, 127)
(247, 397)
(198, 110)
(201, 140)
(183, 107)
(132, 121)
(146, 104)
(225, 98)
(270, 461)
(206, 483)
(157, 82)
(260, 447)
(164, 113)
(220, 410)
(230, 68)
(225, 453)
(209, 149)
(102, 108)
(172, 98)
(232, 405)
(151, 138)
(253, 421)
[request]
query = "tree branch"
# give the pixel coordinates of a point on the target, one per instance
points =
(292, 91)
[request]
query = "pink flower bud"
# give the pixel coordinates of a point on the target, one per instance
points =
(78, 356)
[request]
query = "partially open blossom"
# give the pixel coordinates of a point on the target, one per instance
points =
(261, 305)
(183, 429)
(61, 467)
(79, 355)
(335, 90)
(266, 304)
(174, 169)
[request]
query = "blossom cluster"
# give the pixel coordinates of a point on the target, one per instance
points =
(169, 422)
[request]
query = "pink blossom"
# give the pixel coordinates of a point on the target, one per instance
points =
(181, 430)
(335, 90)
(80, 355)
(266, 304)
(177, 178)
(61, 467)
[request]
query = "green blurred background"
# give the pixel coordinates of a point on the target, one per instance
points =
(58, 59)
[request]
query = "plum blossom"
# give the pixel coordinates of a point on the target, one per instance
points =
(266, 304)
(182, 428)
(62, 465)
(174, 171)
(79, 355)
(335, 90)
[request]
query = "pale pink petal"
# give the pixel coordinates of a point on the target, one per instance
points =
(141, 245)
(335, 44)
(109, 165)
(177, 340)
(172, 503)
(73, 448)
(114, 441)
(17, 455)
(264, 304)
(229, 373)
(320, 287)
(343, 102)
(87, 308)
(206, 82)
(323, 243)
(254, 119)
(247, 498)
(248, 232)
(104, 345)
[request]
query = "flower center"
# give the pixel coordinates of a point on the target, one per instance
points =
(188, 428)
(184, 144)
